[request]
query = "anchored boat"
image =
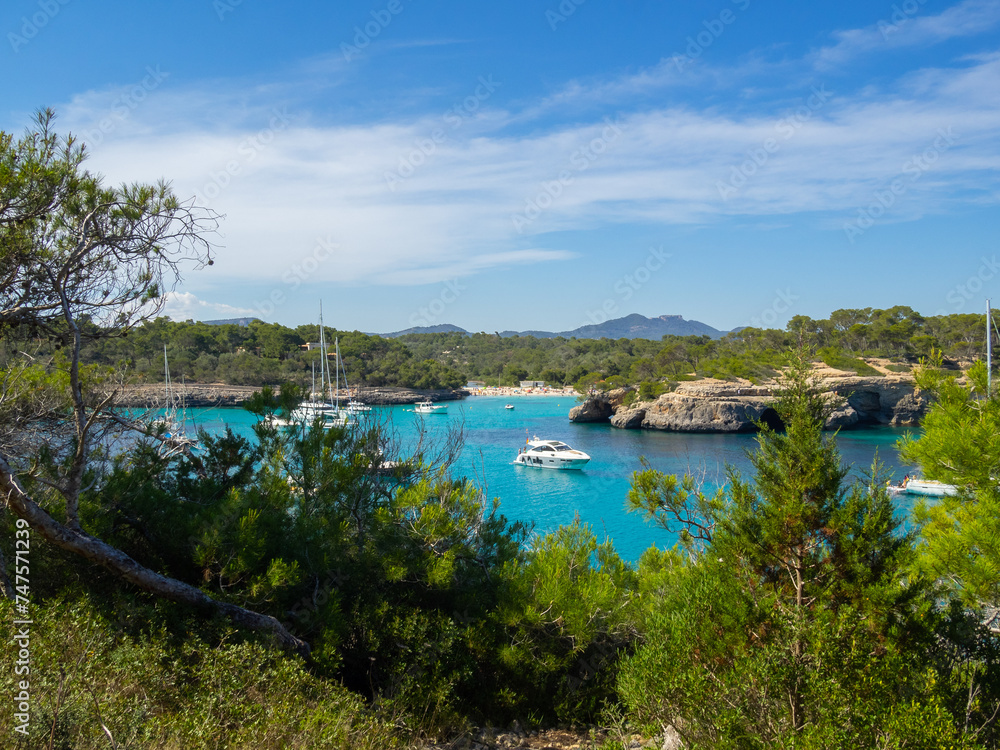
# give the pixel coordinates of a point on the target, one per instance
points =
(550, 454)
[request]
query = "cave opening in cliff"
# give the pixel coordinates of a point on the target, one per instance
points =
(772, 420)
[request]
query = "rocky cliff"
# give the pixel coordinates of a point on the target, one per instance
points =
(716, 406)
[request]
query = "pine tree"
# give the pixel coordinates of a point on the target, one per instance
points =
(960, 444)
(793, 580)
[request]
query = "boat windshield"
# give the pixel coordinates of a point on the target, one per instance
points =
(561, 447)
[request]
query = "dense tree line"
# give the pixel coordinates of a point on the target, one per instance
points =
(268, 353)
(899, 333)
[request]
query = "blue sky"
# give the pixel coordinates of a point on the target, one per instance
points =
(543, 165)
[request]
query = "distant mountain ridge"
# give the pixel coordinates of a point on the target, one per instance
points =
(633, 326)
(442, 328)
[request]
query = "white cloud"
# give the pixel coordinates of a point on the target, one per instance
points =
(290, 185)
(186, 306)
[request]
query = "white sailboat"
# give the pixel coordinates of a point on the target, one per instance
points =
(329, 413)
(174, 429)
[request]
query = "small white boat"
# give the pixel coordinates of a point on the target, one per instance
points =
(429, 407)
(357, 407)
(929, 488)
(550, 454)
(509, 406)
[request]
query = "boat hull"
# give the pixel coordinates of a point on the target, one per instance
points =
(436, 409)
(929, 488)
(559, 464)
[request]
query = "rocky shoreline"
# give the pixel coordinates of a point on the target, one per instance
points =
(711, 406)
(217, 394)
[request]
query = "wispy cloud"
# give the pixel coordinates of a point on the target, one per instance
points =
(905, 26)
(286, 184)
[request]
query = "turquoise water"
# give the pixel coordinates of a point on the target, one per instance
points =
(597, 493)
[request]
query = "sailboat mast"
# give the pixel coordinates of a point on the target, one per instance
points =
(322, 356)
(336, 346)
(989, 351)
(166, 381)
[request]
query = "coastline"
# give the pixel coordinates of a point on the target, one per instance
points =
(712, 406)
(151, 396)
(512, 391)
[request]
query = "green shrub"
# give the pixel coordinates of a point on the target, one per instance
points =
(152, 690)
(650, 390)
(839, 360)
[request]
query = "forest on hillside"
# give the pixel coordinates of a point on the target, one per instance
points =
(268, 353)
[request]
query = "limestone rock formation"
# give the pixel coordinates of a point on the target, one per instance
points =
(714, 406)
(909, 410)
(844, 416)
(680, 412)
(628, 419)
(597, 408)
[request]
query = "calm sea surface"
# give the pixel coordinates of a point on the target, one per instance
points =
(597, 493)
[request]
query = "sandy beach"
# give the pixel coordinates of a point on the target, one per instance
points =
(493, 391)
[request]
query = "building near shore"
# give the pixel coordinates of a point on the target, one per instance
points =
(532, 383)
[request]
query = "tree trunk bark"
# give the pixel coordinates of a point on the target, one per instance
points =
(93, 549)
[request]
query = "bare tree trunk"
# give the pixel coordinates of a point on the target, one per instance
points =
(93, 549)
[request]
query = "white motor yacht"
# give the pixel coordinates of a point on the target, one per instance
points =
(429, 407)
(551, 454)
